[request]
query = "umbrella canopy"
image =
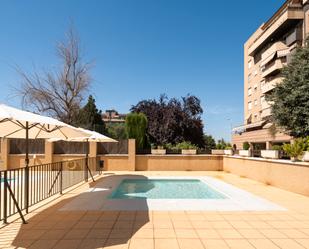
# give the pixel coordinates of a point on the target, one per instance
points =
(14, 122)
(93, 136)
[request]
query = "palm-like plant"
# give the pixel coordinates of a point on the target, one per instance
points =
(296, 149)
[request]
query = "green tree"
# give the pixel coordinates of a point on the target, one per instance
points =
(136, 126)
(210, 142)
(89, 117)
(290, 99)
(117, 131)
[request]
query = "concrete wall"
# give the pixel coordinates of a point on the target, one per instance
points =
(286, 175)
(179, 163)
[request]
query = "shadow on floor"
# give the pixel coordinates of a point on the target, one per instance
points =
(81, 222)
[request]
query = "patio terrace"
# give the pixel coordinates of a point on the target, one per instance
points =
(49, 227)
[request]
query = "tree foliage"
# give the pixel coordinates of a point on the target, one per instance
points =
(58, 92)
(173, 120)
(136, 126)
(290, 99)
(117, 131)
(210, 142)
(89, 117)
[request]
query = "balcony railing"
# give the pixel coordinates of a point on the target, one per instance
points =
(277, 46)
(271, 84)
(266, 112)
(273, 67)
(25, 187)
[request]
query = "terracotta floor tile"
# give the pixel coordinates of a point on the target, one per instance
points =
(303, 242)
(207, 234)
(76, 234)
(181, 224)
(166, 244)
(68, 244)
(54, 234)
(215, 244)
(229, 234)
(46, 244)
(190, 243)
(201, 224)
(294, 234)
(272, 233)
(141, 244)
(221, 224)
(120, 234)
(186, 233)
(251, 233)
(92, 243)
(240, 224)
(164, 233)
(144, 233)
(239, 244)
(117, 244)
(163, 224)
(104, 224)
(97, 233)
(121, 224)
(287, 244)
(263, 244)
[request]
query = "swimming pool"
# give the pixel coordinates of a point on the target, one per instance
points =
(165, 189)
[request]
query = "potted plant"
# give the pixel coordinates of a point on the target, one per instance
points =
(246, 150)
(187, 148)
(228, 150)
(158, 150)
(273, 153)
(295, 150)
(220, 147)
(306, 153)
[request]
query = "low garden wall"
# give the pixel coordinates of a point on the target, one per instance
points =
(178, 163)
(279, 173)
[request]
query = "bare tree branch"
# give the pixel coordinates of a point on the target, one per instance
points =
(58, 93)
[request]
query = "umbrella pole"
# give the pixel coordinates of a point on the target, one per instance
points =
(27, 169)
(87, 164)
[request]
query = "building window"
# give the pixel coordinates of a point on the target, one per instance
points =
(255, 72)
(255, 87)
(249, 77)
(249, 91)
(249, 105)
(250, 64)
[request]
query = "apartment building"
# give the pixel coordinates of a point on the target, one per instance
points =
(265, 53)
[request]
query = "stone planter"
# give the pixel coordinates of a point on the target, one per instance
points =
(217, 152)
(228, 152)
(158, 151)
(244, 153)
(188, 152)
(270, 154)
(306, 156)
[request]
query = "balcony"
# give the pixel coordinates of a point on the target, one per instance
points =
(288, 17)
(273, 67)
(270, 84)
(266, 113)
(270, 53)
(265, 105)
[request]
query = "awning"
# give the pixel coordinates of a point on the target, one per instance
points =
(283, 53)
(243, 128)
(268, 59)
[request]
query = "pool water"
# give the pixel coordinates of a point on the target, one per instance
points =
(164, 189)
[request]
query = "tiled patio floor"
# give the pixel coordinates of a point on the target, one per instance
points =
(50, 228)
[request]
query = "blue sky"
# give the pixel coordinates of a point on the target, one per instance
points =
(141, 48)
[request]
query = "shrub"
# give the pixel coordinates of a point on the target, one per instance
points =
(246, 146)
(296, 149)
(186, 146)
(277, 147)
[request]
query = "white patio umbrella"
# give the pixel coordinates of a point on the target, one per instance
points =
(92, 136)
(15, 123)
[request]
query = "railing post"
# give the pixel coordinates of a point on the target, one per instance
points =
(27, 189)
(61, 170)
(5, 198)
(86, 169)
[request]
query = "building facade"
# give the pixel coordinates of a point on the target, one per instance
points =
(113, 117)
(265, 53)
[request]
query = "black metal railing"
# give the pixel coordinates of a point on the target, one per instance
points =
(24, 187)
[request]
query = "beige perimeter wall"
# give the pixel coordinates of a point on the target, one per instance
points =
(289, 176)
